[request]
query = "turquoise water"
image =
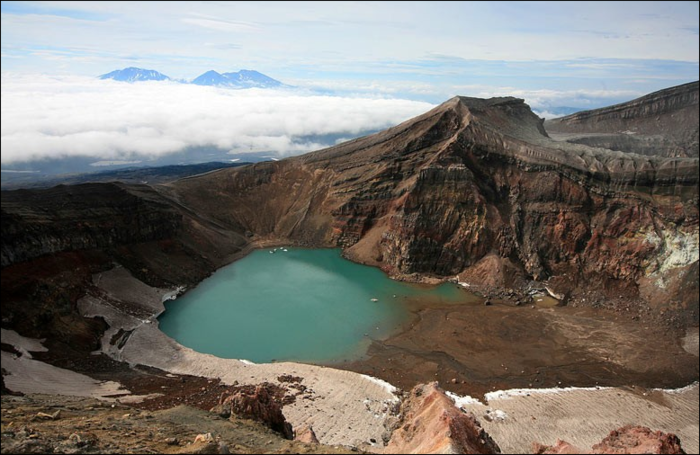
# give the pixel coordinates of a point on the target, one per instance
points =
(301, 304)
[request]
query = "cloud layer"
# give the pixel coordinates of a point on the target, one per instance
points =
(45, 116)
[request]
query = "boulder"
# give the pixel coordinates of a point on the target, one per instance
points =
(260, 403)
(628, 439)
(306, 435)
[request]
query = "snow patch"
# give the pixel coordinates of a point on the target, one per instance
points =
(172, 295)
(462, 401)
(23, 344)
(511, 393)
(246, 362)
(388, 387)
(679, 391)
(498, 415)
(32, 376)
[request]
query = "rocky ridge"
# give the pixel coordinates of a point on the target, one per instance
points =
(662, 123)
(470, 188)
(473, 191)
(430, 423)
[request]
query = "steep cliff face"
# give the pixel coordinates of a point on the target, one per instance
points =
(474, 187)
(663, 123)
(54, 240)
(132, 223)
(67, 218)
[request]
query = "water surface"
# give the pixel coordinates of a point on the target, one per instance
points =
(301, 304)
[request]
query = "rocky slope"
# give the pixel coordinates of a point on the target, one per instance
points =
(476, 188)
(473, 188)
(54, 240)
(663, 123)
(67, 218)
(55, 424)
(430, 423)
(106, 217)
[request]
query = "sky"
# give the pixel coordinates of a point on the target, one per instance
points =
(410, 55)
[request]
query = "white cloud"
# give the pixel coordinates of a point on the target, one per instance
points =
(547, 115)
(541, 99)
(538, 99)
(44, 116)
(219, 24)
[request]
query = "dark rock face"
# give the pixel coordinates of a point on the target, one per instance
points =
(473, 188)
(54, 240)
(468, 180)
(67, 218)
(664, 123)
(154, 236)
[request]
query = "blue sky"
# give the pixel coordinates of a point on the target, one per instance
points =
(581, 52)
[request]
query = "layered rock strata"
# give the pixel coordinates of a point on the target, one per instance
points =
(473, 189)
(476, 188)
(662, 123)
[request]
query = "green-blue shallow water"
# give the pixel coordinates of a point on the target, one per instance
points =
(302, 304)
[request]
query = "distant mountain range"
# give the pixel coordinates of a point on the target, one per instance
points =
(240, 79)
(135, 75)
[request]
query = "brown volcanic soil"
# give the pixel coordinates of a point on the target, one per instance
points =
(90, 426)
(435, 196)
(473, 349)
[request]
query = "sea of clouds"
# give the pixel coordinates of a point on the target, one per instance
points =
(62, 116)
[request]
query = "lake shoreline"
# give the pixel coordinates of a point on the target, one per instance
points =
(341, 390)
(297, 304)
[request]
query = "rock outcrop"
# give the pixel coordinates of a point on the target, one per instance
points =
(93, 427)
(430, 423)
(628, 439)
(90, 216)
(473, 179)
(473, 188)
(663, 123)
(133, 224)
(306, 435)
(259, 403)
